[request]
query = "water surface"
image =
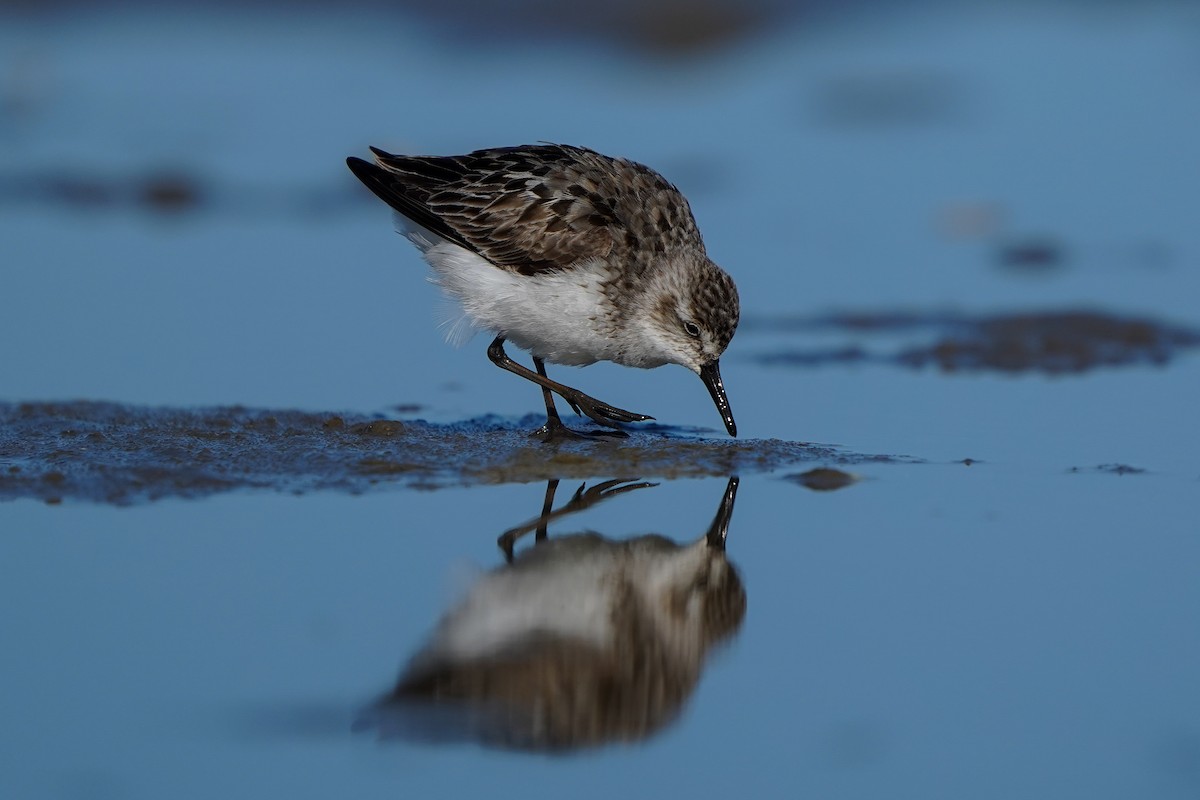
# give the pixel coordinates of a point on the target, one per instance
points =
(243, 477)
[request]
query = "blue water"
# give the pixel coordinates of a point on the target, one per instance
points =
(1008, 629)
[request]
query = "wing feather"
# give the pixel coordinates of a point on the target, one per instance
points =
(535, 208)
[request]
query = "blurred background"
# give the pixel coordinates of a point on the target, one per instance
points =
(964, 234)
(179, 226)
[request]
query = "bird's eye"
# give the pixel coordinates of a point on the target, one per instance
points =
(692, 329)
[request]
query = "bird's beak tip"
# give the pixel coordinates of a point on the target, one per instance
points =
(711, 375)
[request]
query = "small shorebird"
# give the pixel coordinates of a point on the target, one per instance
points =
(570, 254)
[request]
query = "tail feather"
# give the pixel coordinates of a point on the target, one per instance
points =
(428, 170)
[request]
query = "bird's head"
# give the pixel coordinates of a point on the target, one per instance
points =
(691, 315)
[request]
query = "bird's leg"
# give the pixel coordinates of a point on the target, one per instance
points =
(551, 411)
(602, 413)
(554, 429)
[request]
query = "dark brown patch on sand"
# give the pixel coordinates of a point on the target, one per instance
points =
(1054, 342)
(823, 479)
(109, 453)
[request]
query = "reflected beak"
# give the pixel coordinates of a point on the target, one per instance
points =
(719, 530)
(711, 375)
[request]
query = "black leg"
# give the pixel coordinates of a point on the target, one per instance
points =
(602, 413)
(551, 412)
(554, 429)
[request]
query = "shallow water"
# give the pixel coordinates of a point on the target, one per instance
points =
(243, 478)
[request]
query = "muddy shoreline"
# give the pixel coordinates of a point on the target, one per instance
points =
(120, 454)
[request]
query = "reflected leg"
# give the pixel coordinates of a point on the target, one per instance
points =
(583, 498)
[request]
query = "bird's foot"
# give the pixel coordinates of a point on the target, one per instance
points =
(600, 412)
(555, 431)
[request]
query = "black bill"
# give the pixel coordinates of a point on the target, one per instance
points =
(711, 375)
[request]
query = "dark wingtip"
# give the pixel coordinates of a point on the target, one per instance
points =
(374, 177)
(361, 167)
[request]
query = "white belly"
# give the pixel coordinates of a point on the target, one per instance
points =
(558, 316)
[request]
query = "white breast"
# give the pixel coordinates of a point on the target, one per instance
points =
(559, 316)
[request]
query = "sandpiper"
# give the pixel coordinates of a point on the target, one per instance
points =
(570, 254)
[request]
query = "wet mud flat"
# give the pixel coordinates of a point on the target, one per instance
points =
(120, 454)
(1050, 342)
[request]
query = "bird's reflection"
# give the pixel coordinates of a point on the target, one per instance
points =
(577, 641)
